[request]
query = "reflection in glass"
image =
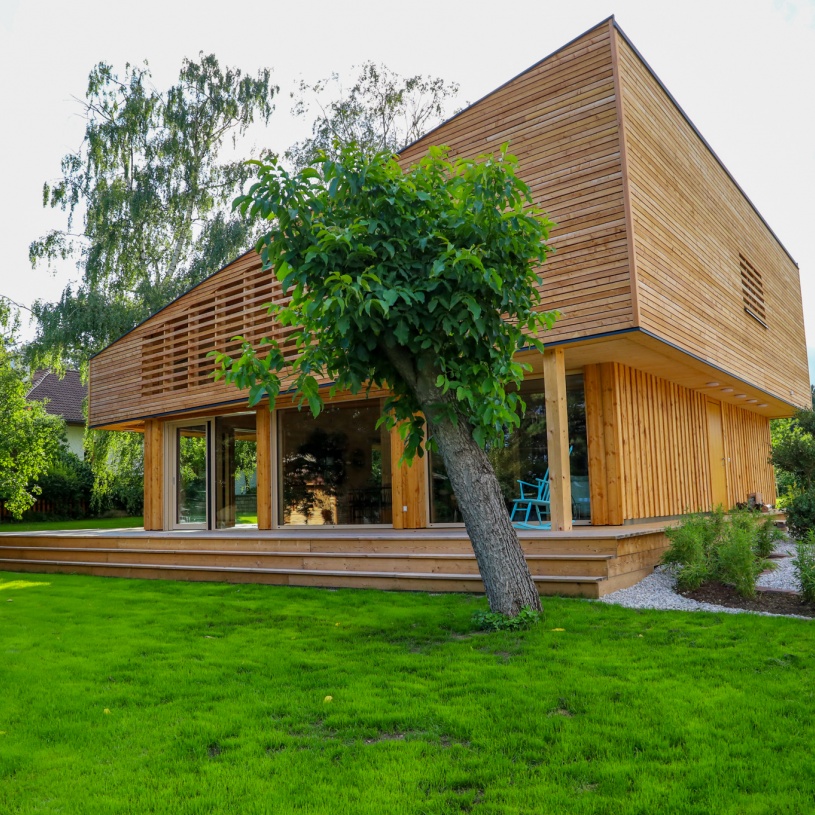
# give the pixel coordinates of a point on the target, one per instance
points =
(191, 480)
(334, 469)
(524, 456)
(235, 471)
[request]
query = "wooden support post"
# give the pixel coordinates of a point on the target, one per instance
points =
(557, 439)
(153, 475)
(598, 480)
(263, 432)
(610, 373)
(409, 488)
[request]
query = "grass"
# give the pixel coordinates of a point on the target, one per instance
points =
(129, 696)
(85, 523)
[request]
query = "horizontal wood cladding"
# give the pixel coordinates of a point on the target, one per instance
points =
(560, 119)
(702, 253)
(648, 447)
(162, 365)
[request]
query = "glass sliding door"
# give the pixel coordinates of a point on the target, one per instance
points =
(235, 447)
(191, 482)
(335, 469)
(523, 456)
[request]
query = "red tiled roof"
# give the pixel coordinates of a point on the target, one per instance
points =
(65, 395)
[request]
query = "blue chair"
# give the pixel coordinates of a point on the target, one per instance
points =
(534, 504)
(534, 498)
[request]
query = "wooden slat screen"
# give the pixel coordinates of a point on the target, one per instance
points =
(752, 290)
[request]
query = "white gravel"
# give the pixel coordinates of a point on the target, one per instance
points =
(657, 591)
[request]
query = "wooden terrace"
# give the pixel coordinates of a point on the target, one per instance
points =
(586, 561)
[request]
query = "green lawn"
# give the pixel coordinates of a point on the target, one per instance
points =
(86, 523)
(128, 696)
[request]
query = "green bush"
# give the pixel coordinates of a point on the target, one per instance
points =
(735, 561)
(67, 486)
(767, 534)
(801, 513)
(804, 565)
(732, 549)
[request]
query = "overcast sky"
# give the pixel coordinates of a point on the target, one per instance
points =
(743, 71)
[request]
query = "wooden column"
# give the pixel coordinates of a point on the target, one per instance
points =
(557, 439)
(153, 475)
(263, 430)
(409, 488)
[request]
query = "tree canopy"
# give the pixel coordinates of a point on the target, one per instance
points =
(381, 111)
(146, 198)
(423, 282)
(30, 438)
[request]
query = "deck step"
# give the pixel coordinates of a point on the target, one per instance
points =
(581, 585)
(383, 563)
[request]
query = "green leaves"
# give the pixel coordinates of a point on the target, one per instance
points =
(399, 276)
(154, 197)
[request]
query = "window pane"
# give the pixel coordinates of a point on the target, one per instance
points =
(524, 456)
(191, 479)
(235, 471)
(335, 469)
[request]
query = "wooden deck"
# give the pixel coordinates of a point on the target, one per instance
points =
(586, 562)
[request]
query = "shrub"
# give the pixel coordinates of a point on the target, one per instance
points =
(67, 486)
(735, 561)
(716, 547)
(801, 513)
(804, 564)
(690, 546)
(767, 534)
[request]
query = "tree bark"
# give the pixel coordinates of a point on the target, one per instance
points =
(501, 562)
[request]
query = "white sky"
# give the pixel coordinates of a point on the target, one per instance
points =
(743, 71)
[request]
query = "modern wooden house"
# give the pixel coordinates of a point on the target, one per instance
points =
(681, 336)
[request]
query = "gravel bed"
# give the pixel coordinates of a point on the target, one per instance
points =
(657, 591)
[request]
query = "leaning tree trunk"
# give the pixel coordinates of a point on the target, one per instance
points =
(501, 560)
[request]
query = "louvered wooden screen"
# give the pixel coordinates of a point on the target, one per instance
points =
(174, 356)
(752, 290)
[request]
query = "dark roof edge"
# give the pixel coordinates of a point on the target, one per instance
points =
(700, 136)
(174, 300)
(509, 81)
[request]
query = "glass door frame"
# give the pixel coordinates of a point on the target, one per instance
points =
(171, 473)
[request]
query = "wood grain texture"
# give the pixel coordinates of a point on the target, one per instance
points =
(557, 439)
(409, 487)
(153, 475)
(692, 230)
(265, 467)
(654, 456)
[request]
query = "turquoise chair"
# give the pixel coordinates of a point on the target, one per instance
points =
(534, 504)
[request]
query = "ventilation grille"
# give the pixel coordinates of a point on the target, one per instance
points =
(174, 356)
(752, 290)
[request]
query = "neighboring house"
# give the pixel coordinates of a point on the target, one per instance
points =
(681, 337)
(63, 397)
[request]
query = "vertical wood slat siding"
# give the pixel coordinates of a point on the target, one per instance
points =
(662, 431)
(560, 119)
(691, 224)
(747, 448)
